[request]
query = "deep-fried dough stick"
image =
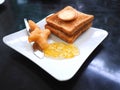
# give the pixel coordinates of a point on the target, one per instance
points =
(38, 36)
(32, 25)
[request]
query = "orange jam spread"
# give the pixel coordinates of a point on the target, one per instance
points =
(61, 50)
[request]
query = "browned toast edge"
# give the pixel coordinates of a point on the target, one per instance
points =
(69, 39)
(71, 30)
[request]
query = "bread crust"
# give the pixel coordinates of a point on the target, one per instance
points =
(63, 36)
(69, 27)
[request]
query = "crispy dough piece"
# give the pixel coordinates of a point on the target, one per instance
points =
(63, 36)
(32, 25)
(69, 27)
(38, 36)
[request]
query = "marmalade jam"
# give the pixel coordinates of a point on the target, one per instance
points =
(61, 50)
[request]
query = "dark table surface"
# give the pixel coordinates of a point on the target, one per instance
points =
(101, 71)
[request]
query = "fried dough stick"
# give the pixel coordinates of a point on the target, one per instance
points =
(38, 36)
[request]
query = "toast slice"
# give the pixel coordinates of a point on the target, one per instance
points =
(63, 36)
(69, 27)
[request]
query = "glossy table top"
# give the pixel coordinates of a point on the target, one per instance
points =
(101, 71)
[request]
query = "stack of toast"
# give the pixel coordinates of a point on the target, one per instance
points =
(68, 23)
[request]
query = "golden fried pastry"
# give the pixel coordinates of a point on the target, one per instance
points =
(32, 25)
(38, 36)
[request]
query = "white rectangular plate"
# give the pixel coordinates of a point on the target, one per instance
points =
(60, 69)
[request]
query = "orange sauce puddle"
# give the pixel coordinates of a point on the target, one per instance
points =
(61, 50)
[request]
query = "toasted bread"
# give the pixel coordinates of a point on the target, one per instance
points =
(71, 26)
(63, 36)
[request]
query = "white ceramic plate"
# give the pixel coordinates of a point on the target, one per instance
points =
(2, 1)
(60, 69)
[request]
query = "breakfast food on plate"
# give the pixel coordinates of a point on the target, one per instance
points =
(61, 50)
(55, 49)
(69, 39)
(68, 23)
(38, 36)
(67, 15)
(32, 25)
